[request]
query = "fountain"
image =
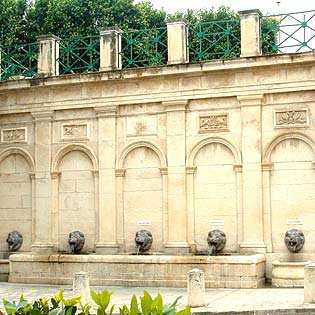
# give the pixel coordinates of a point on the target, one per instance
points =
(290, 273)
(145, 269)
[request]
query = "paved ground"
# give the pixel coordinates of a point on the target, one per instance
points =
(224, 301)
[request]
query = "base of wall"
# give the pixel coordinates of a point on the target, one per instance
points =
(4, 270)
(288, 274)
(145, 270)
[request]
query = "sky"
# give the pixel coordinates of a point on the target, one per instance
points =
(265, 6)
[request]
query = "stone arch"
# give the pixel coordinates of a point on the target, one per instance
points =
(74, 147)
(193, 153)
(130, 147)
(15, 150)
(296, 135)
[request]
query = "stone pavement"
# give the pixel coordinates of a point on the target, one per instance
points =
(265, 301)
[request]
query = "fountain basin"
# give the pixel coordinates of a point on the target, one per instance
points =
(236, 271)
(288, 274)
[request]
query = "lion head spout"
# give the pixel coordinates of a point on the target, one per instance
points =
(76, 242)
(294, 240)
(143, 240)
(14, 240)
(216, 240)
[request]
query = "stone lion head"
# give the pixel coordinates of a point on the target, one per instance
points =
(14, 240)
(216, 240)
(294, 240)
(143, 240)
(76, 242)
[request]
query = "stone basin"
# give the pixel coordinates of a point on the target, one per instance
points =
(288, 274)
(236, 271)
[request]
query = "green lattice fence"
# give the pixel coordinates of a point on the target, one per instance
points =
(144, 48)
(18, 60)
(215, 40)
(288, 33)
(79, 54)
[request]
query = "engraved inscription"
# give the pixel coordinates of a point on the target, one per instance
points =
(75, 131)
(213, 122)
(291, 117)
(13, 135)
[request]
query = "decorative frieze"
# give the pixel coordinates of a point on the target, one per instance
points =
(139, 126)
(213, 122)
(14, 135)
(291, 118)
(75, 131)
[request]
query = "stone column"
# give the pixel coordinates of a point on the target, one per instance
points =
(107, 233)
(43, 224)
(110, 47)
(176, 157)
(120, 174)
(177, 36)
(252, 176)
(196, 295)
(239, 202)
(250, 33)
(48, 54)
(190, 171)
(266, 169)
(164, 173)
(309, 283)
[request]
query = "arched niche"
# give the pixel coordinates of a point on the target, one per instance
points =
(292, 186)
(213, 177)
(142, 194)
(16, 195)
(75, 195)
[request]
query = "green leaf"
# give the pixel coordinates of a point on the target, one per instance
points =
(185, 311)
(146, 302)
(158, 303)
(10, 308)
(134, 309)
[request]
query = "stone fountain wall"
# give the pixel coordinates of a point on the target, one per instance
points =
(178, 150)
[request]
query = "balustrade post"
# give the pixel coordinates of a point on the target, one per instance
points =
(47, 56)
(177, 38)
(110, 48)
(250, 33)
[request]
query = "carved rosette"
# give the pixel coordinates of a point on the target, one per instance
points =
(13, 135)
(215, 122)
(291, 118)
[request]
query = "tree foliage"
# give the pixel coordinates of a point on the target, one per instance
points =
(23, 20)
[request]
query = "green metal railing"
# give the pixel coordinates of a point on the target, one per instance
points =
(144, 48)
(79, 54)
(288, 33)
(215, 40)
(18, 60)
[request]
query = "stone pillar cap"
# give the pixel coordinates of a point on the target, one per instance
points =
(110, 29)
(248, 12)
(176, 20)
(47, 36)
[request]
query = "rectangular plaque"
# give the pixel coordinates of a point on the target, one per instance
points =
(13, 135)
(216, 222)
(74, 131)
(213, 122)
(294, 222)
(144, 223)
(291, 118)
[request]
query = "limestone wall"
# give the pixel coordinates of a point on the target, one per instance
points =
(178, 150)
